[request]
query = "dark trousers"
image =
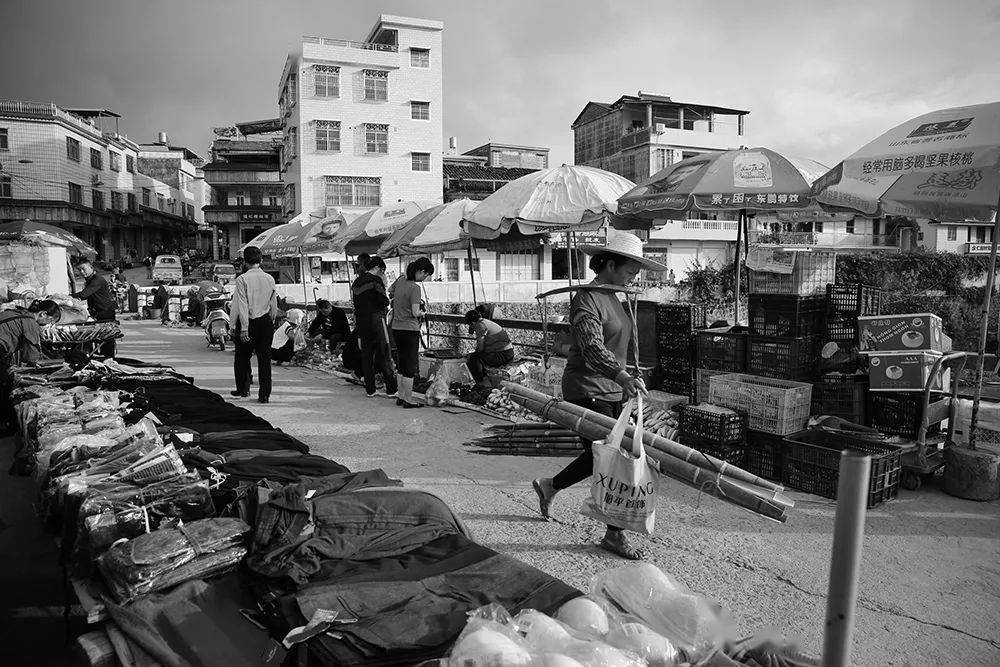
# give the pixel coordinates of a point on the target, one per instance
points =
(261, 332)
(478, 362)
(376, 357)
(408, 350)
(108, 348)
(582, 466)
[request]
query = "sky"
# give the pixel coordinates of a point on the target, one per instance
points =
(819, 78)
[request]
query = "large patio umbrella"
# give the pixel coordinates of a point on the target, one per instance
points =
(943, 165)
(28, 230)
(437, 229)
(562, 199)
(369, 229)
(269, 240)
(747, 179)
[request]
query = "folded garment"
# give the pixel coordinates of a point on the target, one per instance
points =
(279, 467)
(167, 557)
(222, 442)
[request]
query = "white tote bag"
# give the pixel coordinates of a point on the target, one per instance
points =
(623, 489)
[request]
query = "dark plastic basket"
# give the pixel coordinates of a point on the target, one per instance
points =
(733, 454)
(812, 464)
(679, 385)
(844, 303)
(764, 454)
(898, 412)
(721, 349)
(786, 315)
(674, 344)
(841, 395)
(785, 358)
(685, 318)
(723, 427)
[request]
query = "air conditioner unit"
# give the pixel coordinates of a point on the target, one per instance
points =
(661, 128)
(95, 179)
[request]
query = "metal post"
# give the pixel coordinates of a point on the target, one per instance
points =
(739, 247)
(845, 559)
(984, 325)
(569, 258)
(472, 273)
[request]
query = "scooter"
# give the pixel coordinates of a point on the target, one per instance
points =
(217, 325)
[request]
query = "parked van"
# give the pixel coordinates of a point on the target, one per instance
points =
(167, 270)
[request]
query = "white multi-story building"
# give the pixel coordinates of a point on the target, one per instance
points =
(362, 121)
(64, 167)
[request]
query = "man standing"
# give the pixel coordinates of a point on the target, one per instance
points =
(101, 300)
(254, 307)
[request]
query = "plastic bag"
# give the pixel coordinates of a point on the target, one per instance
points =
(665, 606)
(438, 392)
(489, 639)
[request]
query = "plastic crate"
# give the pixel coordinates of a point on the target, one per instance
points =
(844, 304)
(713, 423)
(701, 378)
(771, 404)
(787, 358)
(668, 343)
(811, 273)
(812, 464)
(721, 349)
(685, 318)
(764, 454)
(841, 395)
(733, 454)
(898, 412)
(676, 385)
(786, 315)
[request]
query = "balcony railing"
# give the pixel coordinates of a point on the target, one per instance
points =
(825, 239)
(368, 46)
(48, 110)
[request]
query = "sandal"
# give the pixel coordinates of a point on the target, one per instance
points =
(543, 500)
(622, 547)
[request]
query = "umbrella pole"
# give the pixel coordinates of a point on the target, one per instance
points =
(472, 273)
(302, 265)
(739, 247)
(569, 259)
(984, 324)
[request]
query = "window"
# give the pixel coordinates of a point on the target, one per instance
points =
(132, 205)
(189, 211)
(952, 233)
(850, 226)
(328, 135)
(980, 235)
(241, 199)
(117, 201)
(451, 269)
(3, 139)
(173, 206)
(420, 161)
(160, 201)
(114, 161)
(96, 159)
(327, 81)
(818, 226)
(146, 194)
(97, 197)
(475, 264)
(274, 201)
(420, 57)
(662, 158)
(420, 110)
(376, 85)
(75, 193)
(290, 196)
(130, 164)
(72, 149)
(5, 188)
(376, 138)
(353, 191)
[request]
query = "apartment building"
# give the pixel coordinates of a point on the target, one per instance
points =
(245, 179)
(966, 238)
(362, 120)
(181, 170)
(74, 169)
(512, 156)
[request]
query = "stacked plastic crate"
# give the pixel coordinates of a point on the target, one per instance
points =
(676, 324)
(714, 430)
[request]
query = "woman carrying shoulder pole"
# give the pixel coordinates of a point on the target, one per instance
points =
(595, 375)
(407, 312)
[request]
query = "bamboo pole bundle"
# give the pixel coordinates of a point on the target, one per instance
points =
(726, 481)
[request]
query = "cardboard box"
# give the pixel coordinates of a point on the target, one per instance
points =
(905, 371)
(904, 333)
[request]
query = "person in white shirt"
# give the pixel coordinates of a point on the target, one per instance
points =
(254, 307)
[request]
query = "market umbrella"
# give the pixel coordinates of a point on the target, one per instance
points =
(943, 165)
(269, 240)
(369, 229)
(435, 230)
(28, 230)
(562, 199)
(747, 179)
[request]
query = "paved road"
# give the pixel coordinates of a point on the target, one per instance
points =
(930, 586)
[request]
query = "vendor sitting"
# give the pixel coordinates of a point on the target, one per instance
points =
(283, 343)
(329, 327)
(493, 346)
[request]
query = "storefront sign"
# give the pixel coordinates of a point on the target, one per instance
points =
(978, 248)
(255, 217)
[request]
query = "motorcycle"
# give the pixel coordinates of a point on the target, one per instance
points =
(217, 325)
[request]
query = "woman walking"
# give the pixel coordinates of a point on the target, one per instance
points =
(407, 312)
(595, 375)
(493, 346)
(370, 304)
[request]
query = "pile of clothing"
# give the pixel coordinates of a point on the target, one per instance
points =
(216, 539)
